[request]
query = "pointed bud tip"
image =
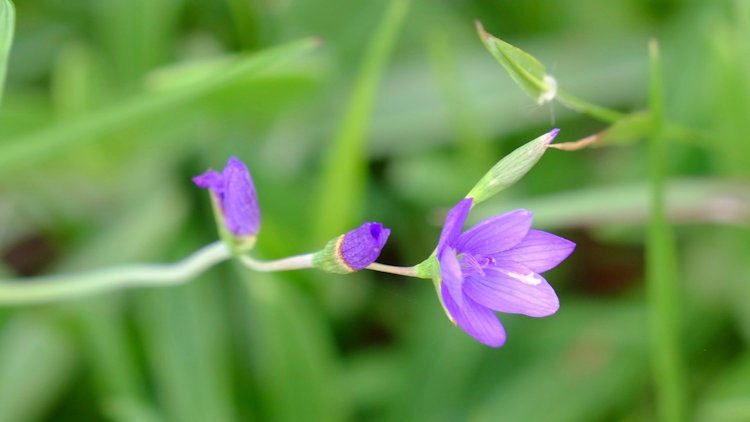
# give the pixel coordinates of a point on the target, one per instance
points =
(480, 29)
(553, 133)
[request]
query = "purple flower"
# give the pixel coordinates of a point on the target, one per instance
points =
(361, 247)
(234, 193)
(495, 266)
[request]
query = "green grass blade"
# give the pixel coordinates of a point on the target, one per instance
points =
(140, 233)
(343, 181)
(292, 352)
(186, 342)
(37, 360)
(27, 150)
(474, 145)
(7, 25)
(687, 200)
(661, 269)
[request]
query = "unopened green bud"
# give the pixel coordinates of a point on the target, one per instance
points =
(525, 70)
(511, 167)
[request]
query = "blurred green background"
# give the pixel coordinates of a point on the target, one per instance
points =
(111, 106)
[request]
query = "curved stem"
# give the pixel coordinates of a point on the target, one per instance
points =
(60, 287)
(296, 262)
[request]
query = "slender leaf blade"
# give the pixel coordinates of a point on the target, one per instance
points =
(343, 179)
(7, 27)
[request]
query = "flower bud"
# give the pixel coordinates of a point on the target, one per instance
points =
(354, 250)
(511, 168)
(235, 203)
(525, 70)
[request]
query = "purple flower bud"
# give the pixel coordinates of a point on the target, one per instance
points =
(354, 250)
(361, 247)
(234, 194)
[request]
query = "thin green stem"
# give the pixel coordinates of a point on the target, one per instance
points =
(593, 110)
(296, 262)
(61, 287)
(661, 274)
(392, 269)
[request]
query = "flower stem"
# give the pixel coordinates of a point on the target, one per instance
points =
(60, 287)
(593, 110)
(392, 269)
(296, 262)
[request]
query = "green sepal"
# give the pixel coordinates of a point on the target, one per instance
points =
(427, 268)
(430, 268)
(525, 70)
(510, 168)
(236, 244)
(329, 259)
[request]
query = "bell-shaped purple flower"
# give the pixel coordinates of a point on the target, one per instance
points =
(495, 266)
(353, 250)
(234, 194)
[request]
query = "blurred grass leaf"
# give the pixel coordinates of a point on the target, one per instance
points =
(587, 367)
(141, 232)
(186, 339)
(186, 342)
(293, 352)
(525, 70)
(465, 120)
(37, 360)
(728, 396)
(25, 150)
(663, 291)
(342, 183)
(7, 26)
(687, 200)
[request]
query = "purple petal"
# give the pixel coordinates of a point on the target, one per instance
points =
(478, 321)
(240, 201)
(454, 222)
(211, 179)
(450, 275)
(362, 246)
(512, 288)
(539, 251)
(495, 234)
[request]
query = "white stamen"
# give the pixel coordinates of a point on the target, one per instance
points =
(531, 278)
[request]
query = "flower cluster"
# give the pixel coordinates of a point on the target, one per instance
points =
(493, 266)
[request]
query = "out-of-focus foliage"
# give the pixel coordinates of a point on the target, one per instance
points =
(110, 107)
